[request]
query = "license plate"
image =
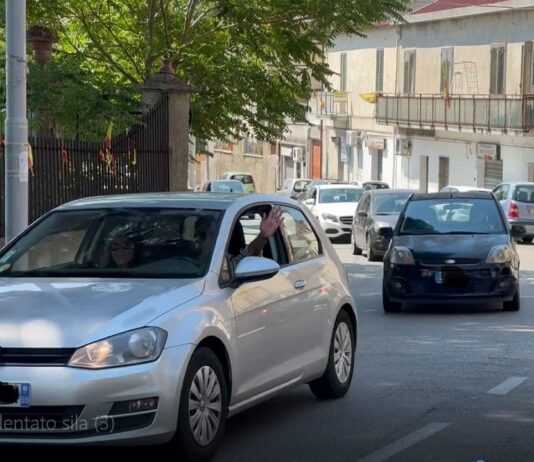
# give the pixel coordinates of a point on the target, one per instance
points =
(11, 398)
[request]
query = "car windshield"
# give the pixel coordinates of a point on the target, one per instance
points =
(327, 196)
(227, 186)
(389, 204)
(456, 216)
(116, 243)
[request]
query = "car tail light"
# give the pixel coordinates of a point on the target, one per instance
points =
(513, 213)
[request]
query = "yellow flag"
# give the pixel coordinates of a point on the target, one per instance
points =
(30, 158)
(369, 97)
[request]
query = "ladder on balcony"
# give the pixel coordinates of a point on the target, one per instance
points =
(465, 78)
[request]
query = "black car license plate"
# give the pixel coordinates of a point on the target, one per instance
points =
(451, 278)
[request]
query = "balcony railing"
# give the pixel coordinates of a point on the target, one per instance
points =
(330, 104)
(463, 112)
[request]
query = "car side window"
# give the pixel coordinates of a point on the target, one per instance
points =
(244, 231)
(301, 240)
(501, 193)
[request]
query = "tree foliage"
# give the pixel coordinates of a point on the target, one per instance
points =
(251, 60)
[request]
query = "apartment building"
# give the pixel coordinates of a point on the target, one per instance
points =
(445, 98)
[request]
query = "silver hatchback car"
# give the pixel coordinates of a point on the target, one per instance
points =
(141, 319)
(517, 200)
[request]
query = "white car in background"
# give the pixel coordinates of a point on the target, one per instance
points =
(464, 189)
(334, 206)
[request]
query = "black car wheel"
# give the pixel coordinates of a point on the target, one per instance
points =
(389, 306)
(203, 408)
(355, 249)
(515, 304)
(336, 380)
(371, 256)
(527, 240)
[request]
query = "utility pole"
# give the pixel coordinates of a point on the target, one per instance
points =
(16, 146)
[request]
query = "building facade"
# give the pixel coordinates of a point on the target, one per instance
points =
(445, 98)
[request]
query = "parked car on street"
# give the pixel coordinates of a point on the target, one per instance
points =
(292, 187)
(309, 186)
(369, 185)
(464, 189)
(224, 186)
(140, 319)
(517, 200)
(374, 221)
(334, 205)
(451, 248)
(243, 177)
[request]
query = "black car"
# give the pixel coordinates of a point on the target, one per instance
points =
(451, 247)
(374, 220)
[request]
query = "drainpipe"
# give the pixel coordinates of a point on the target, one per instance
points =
(395, 129)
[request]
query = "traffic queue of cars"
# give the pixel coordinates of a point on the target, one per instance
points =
(163, 317)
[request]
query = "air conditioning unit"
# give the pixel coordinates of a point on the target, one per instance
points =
(298, 155)
(403, 147)
(354, 139)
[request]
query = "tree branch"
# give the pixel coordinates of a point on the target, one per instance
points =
(113, 36)
(163, 9)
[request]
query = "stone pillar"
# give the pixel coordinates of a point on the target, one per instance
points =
(166, 83)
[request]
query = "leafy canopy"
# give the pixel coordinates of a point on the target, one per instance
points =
(251, 60)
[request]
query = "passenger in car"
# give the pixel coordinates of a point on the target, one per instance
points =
(120, 252)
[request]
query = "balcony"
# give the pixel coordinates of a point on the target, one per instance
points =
(330, 104)
(472, 113)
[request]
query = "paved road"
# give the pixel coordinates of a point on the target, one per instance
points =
(424, 390)
(434, 385)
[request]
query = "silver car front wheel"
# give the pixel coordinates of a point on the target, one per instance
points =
(205, 406)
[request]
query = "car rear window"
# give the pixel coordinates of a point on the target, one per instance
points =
(524, 193)
(245, 179)
(452, 216)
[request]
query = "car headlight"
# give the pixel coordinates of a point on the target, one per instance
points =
(134, 347)
(402, 256)
(329, 216)
(500, 254)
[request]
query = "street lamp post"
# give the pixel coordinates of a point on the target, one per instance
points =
(16, 145)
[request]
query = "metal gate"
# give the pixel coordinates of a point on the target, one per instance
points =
(492, 173)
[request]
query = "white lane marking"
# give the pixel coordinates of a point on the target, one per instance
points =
(507, 386)
(406, 442)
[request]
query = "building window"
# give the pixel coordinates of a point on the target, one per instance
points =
(379, 84)
(498, 64)
(343, 73)
(447, 65)
(252, 146)
(409, 72)
(221, 145)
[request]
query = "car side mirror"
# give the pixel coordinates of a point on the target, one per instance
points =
(309, 202)
(252, 269)
(363, 213)
(386, 232)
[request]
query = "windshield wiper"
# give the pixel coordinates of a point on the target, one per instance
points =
(466, 233)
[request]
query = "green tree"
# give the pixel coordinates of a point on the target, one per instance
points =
(250, 59)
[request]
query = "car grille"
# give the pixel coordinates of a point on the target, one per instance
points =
(457, 261)
(35, 356)
(346, 220)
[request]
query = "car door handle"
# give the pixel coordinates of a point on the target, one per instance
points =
(300, 284)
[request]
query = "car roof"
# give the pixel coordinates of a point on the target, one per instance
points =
(225, 181)
(390, 191)
(201, 200)
(467, 188)
(453, 195)
(338, 186)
